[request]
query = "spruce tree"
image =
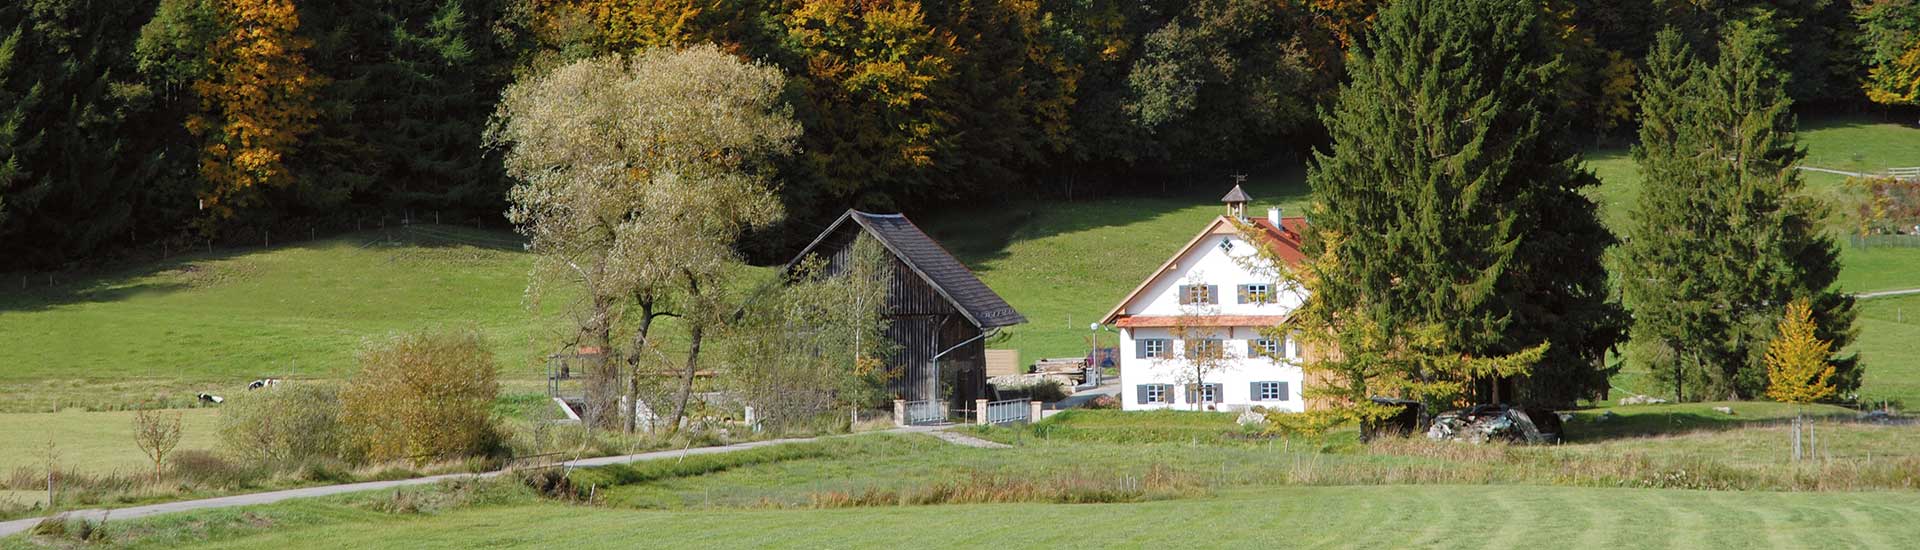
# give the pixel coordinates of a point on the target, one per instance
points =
(1449, 233)
(1723, 237)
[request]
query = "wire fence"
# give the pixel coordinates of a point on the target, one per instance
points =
(1884, 241)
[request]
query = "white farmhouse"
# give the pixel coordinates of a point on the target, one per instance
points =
(1211, 298)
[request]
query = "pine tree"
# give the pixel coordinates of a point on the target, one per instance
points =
(1723, 234)
(1448, 216)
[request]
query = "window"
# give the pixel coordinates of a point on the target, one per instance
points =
(1263, 347)
(1150, 348)
(1270, 391)
(1256, 293)
(1153, 393)
(1198, 294)
(1204, 348)
(1204, 393)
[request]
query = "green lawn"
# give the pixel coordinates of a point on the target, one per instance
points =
(92, 442)
(1338, 517)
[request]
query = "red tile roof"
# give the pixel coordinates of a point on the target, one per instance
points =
(1286, 238)
(1140, 321)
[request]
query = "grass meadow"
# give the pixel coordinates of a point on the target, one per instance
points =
(1106, 478)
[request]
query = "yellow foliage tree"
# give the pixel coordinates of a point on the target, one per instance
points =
(1896, 82)
(1797, 367)
(256, 101)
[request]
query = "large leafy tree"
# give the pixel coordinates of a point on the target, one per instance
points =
(1224, 80)
(634, 178)
(256, 102)
(1723, 235)
(1450, 245)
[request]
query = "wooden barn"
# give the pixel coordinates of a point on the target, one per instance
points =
(940, 313)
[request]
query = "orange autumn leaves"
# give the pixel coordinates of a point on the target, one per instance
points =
(256, 101)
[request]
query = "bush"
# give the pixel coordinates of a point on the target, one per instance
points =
(211, 470)
(422, 397)
(284, 425)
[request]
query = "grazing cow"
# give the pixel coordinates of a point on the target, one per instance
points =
(211, 398)
(264, 383)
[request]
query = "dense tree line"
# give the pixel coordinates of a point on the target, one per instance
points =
(130, 121)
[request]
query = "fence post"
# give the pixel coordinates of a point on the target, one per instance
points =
(1033, 413)
(980, 411)
(899, 412)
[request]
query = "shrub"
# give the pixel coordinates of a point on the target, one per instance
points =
(422, 397)
(209, 469)
(284, 425)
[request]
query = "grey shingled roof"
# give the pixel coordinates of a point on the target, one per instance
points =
(933, 264)
(1236, 195)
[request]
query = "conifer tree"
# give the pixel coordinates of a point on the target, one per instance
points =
(1448, 227)
(1723, 235)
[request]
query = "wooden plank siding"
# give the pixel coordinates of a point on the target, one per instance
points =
(922, 323)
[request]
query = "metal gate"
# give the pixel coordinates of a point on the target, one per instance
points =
(1009, 411)
(926, 412)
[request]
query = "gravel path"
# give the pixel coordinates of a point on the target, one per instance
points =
(1885, 293)
(21, 525)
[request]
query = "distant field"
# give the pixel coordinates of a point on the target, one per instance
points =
(215, 322)
(1293, 517)
(92, 442)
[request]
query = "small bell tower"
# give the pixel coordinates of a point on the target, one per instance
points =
(1237, 199)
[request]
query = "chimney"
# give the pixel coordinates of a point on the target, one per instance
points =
(1273, 215)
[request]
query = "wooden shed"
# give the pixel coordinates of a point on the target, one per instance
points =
(940, 314)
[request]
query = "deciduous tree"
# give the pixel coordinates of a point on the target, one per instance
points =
(1890, 32)
(256, 102)
(634, 177)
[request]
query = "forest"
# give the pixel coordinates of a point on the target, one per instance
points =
(137, 126)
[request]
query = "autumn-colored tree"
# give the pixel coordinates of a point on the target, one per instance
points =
(1890, 29)
(1798, 366)
(1798, 370)
(870, 67)
(256, 102)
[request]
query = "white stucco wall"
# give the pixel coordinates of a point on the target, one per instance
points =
(1209, 263)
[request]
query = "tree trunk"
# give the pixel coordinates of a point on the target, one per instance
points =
(633, 363)
(696, 331)
(686, 379)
